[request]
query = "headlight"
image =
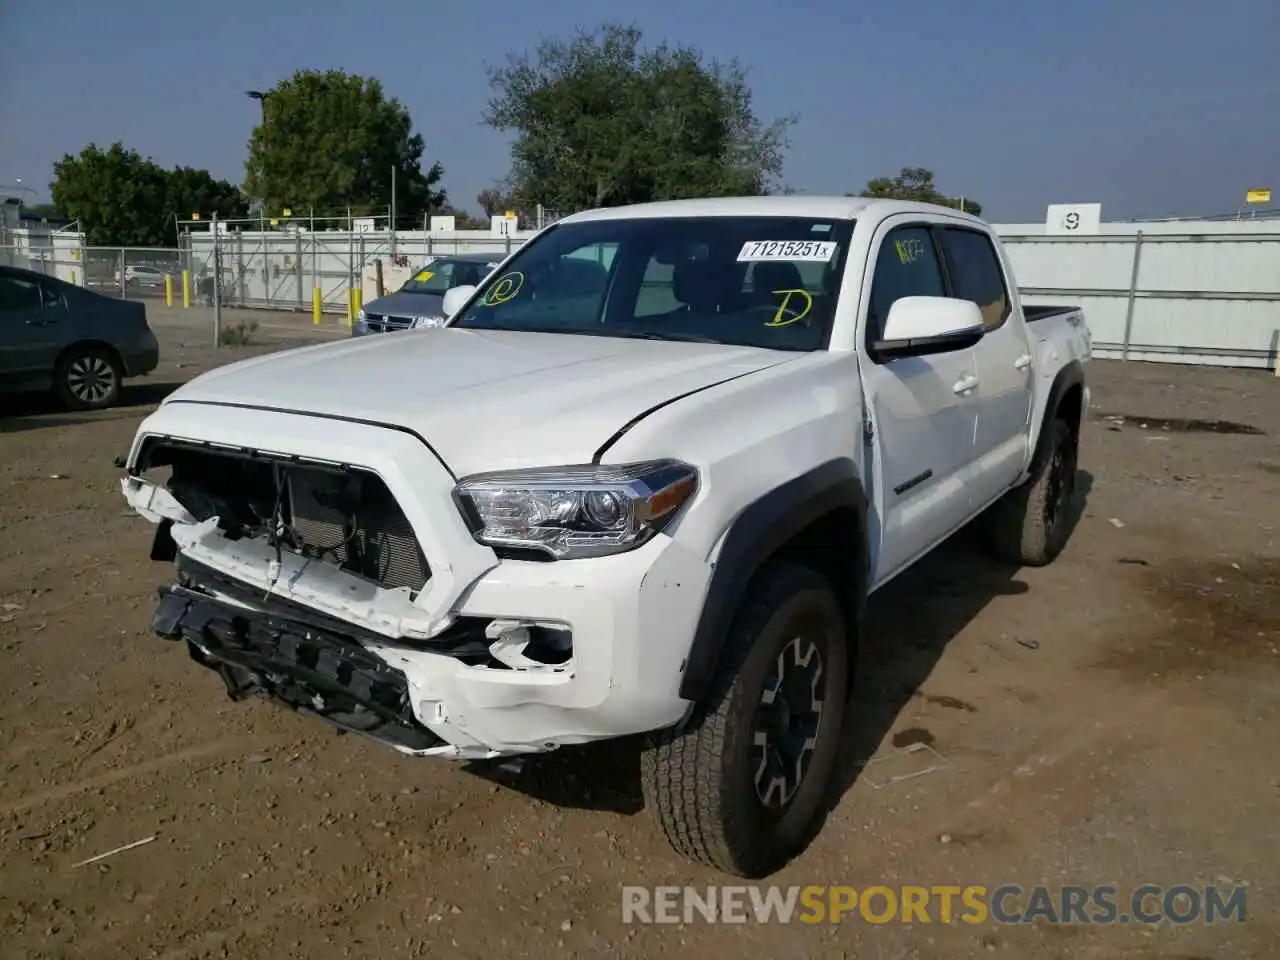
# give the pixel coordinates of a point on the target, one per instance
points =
(576, 511)
(360, 315)
(434, 321)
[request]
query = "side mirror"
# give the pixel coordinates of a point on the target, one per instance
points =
(921, 326)
(454, 299)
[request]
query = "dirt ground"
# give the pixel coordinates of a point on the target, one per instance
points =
(1112, 718)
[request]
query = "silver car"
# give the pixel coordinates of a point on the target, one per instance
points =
(80, 345)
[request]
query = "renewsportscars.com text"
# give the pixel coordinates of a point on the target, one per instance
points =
(1147, 903)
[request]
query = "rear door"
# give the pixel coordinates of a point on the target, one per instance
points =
(32, 327)
(922, 419)
(1005, 375)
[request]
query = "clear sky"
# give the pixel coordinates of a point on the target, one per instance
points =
(1151, 107)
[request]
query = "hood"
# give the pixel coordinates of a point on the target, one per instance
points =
(401, 304)
(483, 399)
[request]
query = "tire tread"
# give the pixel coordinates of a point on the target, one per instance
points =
(680, 768)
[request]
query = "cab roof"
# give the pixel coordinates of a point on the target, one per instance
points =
(795, 205)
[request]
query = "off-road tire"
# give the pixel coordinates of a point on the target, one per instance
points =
(1031, 524)
(88, 377)
(699, 779)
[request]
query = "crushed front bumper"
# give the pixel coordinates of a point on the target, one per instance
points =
(304, 661)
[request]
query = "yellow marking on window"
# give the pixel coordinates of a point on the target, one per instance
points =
(504, 290)
(782, 317)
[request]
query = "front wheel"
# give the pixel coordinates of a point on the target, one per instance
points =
(741, 786)
(88, 378)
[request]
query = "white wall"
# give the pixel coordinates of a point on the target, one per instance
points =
(1182, 292)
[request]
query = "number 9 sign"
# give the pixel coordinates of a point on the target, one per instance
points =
(1071, 221)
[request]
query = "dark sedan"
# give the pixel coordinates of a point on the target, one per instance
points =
(80, 345)
(420, 302)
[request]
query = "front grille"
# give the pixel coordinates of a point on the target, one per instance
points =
(345, 517)
(382, 323)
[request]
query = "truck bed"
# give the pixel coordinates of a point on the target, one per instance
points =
(1033, 313)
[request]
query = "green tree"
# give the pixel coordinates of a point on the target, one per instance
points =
(195, 191)
(329, 140)
(599, 121)
(492, 202)
(916, 183)
(117, 195)
(124, 199)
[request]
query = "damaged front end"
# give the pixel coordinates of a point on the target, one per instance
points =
(297, 581)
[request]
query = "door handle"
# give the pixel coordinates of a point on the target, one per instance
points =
(966, 383)
(1023, 361)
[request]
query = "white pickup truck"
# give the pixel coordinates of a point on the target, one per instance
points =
(641, 482)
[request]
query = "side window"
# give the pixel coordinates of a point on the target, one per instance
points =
(583, 272)
(20, 296)
(907, 266)
(976, 274)
(598, 253)
(657, 290)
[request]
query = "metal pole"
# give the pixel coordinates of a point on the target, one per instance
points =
(1133, 292)
(393, 211)
(123, 282)
(315, 264)
(217, 284)
(242, 289)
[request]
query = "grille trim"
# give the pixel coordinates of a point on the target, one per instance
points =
(343, 516)
(385, 322)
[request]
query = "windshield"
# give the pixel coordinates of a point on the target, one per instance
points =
(443, 274)
(752, 281)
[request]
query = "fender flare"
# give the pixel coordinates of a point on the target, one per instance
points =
(755, 535)
(1071, 375)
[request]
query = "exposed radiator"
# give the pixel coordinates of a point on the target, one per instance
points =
(353, 522)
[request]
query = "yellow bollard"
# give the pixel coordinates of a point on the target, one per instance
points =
(186, 288)
(359, 292)
(315, 305)
(168, 290)
(73, 278)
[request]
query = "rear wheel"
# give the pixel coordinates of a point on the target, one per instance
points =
(742, 785)
(1031, 524)
(88, 378)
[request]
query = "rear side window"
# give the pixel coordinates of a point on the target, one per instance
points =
(975, 274)
(907, 266)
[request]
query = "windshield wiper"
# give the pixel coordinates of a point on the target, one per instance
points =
(674, 335)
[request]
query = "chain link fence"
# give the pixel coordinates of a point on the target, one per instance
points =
(288, 270)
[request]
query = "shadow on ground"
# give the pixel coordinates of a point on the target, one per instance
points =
(36, 412)
(909, 624)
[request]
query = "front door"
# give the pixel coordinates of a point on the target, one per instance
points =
(922, 417)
